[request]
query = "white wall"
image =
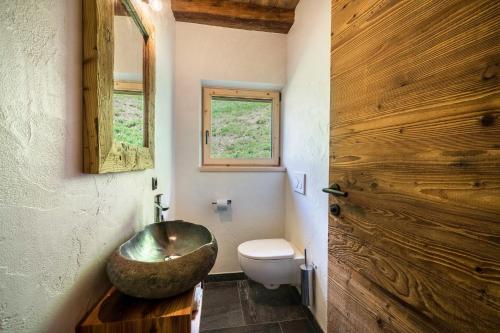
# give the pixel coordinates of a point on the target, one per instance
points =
(58, 226)
(221, 54)
(306, 107)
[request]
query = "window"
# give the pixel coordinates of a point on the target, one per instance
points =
(241, 127)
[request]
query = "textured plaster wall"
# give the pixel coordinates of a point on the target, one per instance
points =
(306, 138)
(58, 226)
(224, 55)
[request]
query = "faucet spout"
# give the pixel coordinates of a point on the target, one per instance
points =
(159, 209)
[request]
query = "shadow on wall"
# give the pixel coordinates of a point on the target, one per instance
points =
(73, 150)
(89, 287)
(225, 215)
(89, 283)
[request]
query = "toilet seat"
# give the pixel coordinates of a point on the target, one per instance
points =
(271, 262)
(267, 249)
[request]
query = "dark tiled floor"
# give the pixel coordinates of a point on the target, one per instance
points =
(296, 326)
(264, 328)
(221, 306)
(247, 307)
(261, 305)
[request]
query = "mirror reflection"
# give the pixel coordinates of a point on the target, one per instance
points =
(128, 76)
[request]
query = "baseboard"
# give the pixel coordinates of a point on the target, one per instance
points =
(222, 277)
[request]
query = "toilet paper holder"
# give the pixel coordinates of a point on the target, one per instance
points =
(228, 202)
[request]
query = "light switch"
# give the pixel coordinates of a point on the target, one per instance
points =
(299, 182)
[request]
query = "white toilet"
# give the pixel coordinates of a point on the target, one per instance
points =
(270, 261)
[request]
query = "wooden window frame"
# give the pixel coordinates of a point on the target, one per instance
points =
(273, 96)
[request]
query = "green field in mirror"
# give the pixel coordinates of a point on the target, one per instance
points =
(128, 76)
(241, 129)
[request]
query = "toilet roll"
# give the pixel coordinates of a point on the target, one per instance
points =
(222, 204)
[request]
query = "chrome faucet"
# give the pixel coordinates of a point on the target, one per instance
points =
(159, 209)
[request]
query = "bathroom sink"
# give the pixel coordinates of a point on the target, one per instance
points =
(163, 260)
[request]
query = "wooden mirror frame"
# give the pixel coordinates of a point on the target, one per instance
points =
(100, 153)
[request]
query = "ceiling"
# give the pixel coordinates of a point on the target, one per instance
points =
(261, 15)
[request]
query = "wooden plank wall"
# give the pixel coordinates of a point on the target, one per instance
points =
(416, 142)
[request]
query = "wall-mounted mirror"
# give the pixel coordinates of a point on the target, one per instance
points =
(128, 77)
(118, 87)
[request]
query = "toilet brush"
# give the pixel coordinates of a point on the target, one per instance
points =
(306, 279)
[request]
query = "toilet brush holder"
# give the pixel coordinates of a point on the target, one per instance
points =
(306, 283)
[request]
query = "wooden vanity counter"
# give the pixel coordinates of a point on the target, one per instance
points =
(118, 313)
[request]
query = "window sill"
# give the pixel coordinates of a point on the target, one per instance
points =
(241, 169)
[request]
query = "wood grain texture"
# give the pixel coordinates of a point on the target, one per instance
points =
(126, 86)
(415, 140)
(117, 313)
(249, 15)
(289, 4)
(100, 153)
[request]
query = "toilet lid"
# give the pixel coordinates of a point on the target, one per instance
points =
(266, 249)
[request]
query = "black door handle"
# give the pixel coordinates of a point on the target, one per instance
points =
(334, 189)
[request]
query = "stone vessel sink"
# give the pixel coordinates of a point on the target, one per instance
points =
(163, 260)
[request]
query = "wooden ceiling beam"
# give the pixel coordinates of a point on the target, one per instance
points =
(231, 14)
(290, 4)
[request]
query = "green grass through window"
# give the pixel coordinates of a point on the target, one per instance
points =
(241, 129)
(128, 120)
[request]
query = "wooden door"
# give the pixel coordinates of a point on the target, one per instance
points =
(415, 141)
